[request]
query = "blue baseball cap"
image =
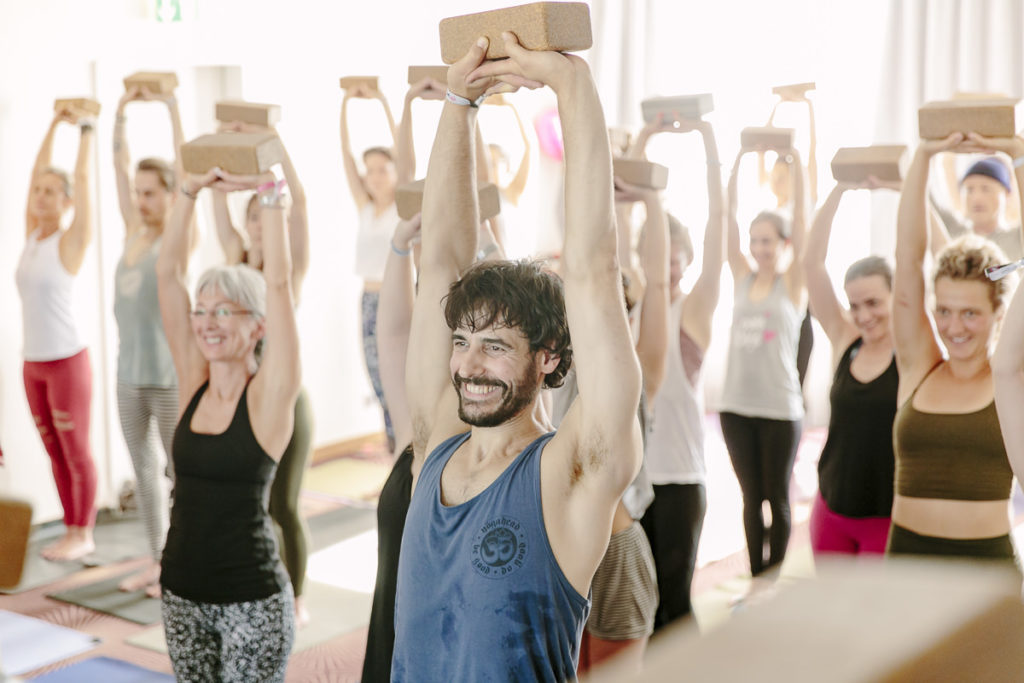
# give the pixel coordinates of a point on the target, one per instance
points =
(993, 167)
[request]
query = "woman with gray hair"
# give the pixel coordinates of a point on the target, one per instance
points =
(228, 608)
(855, 471)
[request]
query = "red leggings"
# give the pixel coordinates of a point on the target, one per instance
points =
(59, 393)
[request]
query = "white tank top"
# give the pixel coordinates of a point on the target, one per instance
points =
(47, 305)
(675, 433)
(373, 241)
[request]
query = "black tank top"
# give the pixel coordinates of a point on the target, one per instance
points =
(856, 469)
(221, 546)
(391, 509)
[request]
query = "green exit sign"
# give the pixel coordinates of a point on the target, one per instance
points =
(168, 11)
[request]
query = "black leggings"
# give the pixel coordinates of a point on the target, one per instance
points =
(762, 453)
(292, 532)
(673, 523)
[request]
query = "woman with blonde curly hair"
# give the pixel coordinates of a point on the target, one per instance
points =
(953, 479)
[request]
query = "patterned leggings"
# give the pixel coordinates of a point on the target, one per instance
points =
(234, 642)
(137, 407)
(370, 301)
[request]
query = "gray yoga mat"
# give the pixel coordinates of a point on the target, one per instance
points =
(104, 596)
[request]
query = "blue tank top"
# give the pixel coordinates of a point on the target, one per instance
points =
(480, 594)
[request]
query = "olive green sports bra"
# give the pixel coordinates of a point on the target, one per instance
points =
(954, 456)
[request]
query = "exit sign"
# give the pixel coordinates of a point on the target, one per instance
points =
(168, 11)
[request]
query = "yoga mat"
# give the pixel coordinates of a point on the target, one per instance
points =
(106, 670)
(104, 596)
(335, 526)
(333, 612)
(117, 540)
(347, 478)
(27, 643)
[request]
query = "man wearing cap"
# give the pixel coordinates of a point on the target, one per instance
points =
(984, 189)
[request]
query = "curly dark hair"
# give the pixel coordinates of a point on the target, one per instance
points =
(519, 294)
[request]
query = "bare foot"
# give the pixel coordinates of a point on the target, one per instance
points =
(147, 576)
(74, 546)
(302, 616)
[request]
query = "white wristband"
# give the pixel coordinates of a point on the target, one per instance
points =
(1018, 162)
(462, 101)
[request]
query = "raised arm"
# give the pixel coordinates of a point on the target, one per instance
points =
(822, 296)
(795, 283)
(394, 318)
(916, 348)
(279, 377)
(812, 154)
(738, 263)
(355, 181)
(76, 240)
(44, 160)
(600, 430)
(1008, 381)
(699, 306)
(450, 222)
(517, 185)
(232, 241)
(652, 343)
(122, 165)
(405, 150)
(175, 305)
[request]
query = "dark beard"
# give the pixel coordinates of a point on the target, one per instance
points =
(513, 401)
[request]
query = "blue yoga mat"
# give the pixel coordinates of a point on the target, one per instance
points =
(106, 670)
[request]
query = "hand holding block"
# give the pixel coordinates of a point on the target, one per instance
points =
(794, 91)
(779, 139)
(248, 112)
(81, 106)
(855, 164)
(558, 26)
(673, 108)
(157, 82)
(368, 82)
(240, 153)
(641, 173)
(997, 118)
(418, 73)
(409, 199)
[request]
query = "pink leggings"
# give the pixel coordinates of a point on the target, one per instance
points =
(59, 394)
(835, 533)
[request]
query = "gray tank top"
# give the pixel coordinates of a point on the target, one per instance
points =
(143, 358)
(760, 376)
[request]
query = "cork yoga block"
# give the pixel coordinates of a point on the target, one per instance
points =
(996, 118)
(241, 153)
(855, 164)
(349, 82)
(15, 526)
(641, 173)
(418, 73)
(82, 106)
(248, 112)
(157, 82)
(793, 91)
(768, 138)
(679, 107)
(559, 26)
(409, 199)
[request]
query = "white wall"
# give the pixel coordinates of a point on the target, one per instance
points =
(292, 54)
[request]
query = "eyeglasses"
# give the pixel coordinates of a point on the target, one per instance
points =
(220, 313)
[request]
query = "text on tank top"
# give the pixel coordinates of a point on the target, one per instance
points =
(481, 596)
